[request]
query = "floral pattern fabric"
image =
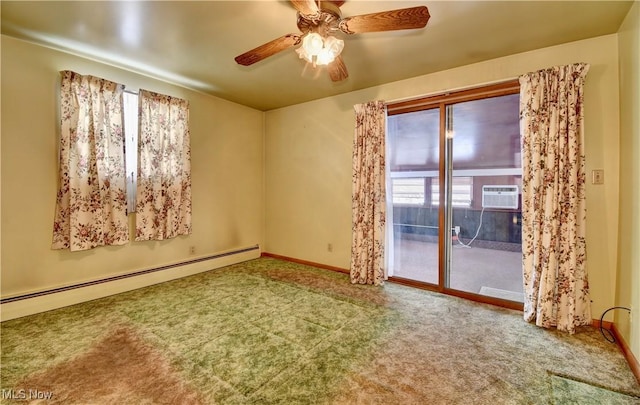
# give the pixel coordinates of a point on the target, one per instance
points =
(91, 199)
(556, 286)
(163, 197)
(368, 195)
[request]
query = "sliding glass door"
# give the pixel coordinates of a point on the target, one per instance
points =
(455, 183)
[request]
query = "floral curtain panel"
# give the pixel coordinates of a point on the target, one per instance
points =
(91, 200)
(553, 198)
(163, 197)
(368, 195)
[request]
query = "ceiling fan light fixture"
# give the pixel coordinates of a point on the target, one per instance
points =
(302, 54)
(313, 44)
(333, 46)
(318, 50)
(324, 57)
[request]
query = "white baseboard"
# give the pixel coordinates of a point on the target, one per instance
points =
(47, 300)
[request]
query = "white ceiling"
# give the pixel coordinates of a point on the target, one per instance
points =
(193, 44)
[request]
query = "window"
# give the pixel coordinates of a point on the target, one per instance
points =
(129, 135)
(461, 192)
(410, 191)
(131, 147)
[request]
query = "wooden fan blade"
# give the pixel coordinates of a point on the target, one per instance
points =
(306, 7)
(268, 49)
(402, 19)
(337, 69)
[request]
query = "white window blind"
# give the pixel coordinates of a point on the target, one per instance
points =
(461, 192)
(410, 191)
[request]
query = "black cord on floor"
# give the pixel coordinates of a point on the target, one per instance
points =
(610, 338)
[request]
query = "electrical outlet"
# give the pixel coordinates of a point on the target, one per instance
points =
(329, 247)
(192, 250)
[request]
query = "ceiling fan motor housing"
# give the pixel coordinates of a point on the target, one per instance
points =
(324, 22)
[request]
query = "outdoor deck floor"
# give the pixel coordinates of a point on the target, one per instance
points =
(489, 272)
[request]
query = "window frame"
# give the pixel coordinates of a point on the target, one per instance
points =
(453, 97)
(130, 116)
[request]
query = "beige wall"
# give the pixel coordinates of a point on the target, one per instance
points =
(308, 158)
(227, 175)
(293, 191)
(629, 235)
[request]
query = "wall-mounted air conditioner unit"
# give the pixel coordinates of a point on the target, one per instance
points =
(500, 197)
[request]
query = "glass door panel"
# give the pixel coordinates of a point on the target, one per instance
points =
(485, 255)
(414, 158)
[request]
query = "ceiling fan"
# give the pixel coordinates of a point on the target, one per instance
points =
(318, 21)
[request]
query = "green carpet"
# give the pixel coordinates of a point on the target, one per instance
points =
(236, 335)
(273, 332)
(569, 391)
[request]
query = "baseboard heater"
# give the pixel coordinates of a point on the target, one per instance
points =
(40, 301)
